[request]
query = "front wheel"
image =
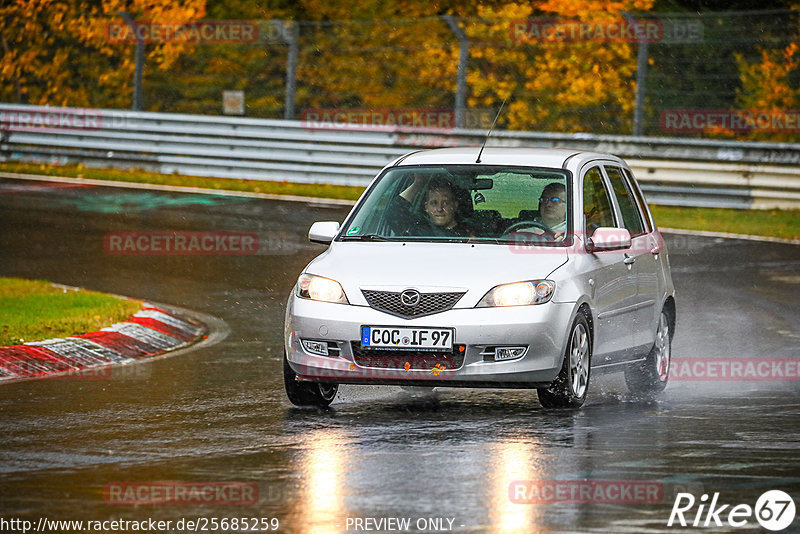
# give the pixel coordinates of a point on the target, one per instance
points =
(301, 393)
(652, 375)
(569, 388)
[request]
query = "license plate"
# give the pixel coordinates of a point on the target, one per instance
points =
(388, 337)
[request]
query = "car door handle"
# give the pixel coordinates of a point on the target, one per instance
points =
(629, 260)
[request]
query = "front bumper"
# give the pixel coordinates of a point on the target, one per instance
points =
(542, 329)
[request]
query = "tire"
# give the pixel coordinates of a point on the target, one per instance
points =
(652, 375)
(319, 394)
(570, 387)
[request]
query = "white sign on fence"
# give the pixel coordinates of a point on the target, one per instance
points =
(233, 102)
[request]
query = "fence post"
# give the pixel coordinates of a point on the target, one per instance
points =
(292, 35)
(463, 57)
(641, 81)
(641, 89)
(138, 103)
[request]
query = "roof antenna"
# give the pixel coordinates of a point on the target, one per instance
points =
(490, 130)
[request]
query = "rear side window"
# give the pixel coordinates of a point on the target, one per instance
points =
(637, 193)
(596, 202)
(631, 217)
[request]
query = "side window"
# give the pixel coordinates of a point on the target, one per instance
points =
(630, 213)
(637, 193)
(596, 202)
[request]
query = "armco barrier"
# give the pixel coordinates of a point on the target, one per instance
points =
(672, 171)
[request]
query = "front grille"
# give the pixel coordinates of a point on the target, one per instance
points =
(397, 359)
(429, 303)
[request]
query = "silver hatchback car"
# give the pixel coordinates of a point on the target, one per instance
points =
(516, 268)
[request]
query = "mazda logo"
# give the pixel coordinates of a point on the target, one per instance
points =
(410, 297)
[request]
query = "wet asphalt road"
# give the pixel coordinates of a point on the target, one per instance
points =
(220, 414)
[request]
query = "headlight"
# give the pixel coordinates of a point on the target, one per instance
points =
(519, 294)
(314, 287)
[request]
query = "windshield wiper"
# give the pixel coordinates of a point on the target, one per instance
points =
(365, 237)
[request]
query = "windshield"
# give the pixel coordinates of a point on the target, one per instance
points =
(464, 203)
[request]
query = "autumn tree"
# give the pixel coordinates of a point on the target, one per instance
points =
(766, 86)
(376, 54)
(56, 52)
(558, 86)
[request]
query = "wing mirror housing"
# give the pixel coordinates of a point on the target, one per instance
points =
(608, 238)
(323, 232)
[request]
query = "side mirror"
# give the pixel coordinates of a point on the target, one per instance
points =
(323, 232)
(608, 238)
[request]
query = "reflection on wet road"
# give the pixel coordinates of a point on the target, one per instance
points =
(220, 414)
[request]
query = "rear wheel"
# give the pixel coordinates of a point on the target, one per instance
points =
(569, 388)
(652, 375)
(302, 393)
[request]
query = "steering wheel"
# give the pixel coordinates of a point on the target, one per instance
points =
(528, 224)
(403, 221)
(416, 227)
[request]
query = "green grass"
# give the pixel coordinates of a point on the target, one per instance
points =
(772, 223)
(253, 186)
(35, 310)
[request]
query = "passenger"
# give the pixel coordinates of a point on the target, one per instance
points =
(441, 208)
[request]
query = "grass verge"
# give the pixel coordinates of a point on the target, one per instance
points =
(35, 310)
(772, 223)
(137, 176)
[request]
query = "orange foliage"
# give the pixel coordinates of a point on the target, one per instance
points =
(51, 48)
(766, 87)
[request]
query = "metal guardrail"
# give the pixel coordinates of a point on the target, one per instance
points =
(680, 172)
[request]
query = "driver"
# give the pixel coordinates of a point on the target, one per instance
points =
(553, 208)
(441, 207)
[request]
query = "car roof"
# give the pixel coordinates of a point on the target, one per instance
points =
(535, 157)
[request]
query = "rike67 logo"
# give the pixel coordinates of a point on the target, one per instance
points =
(774, 510)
